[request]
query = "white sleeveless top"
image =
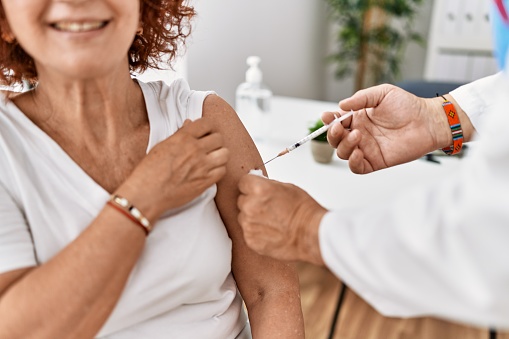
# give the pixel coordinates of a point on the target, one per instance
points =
(181, 287)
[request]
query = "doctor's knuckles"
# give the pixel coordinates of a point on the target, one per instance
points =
(279, 220)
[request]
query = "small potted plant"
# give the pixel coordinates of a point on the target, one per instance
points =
(320, 148)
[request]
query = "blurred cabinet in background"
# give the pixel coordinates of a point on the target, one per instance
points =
(459, 44)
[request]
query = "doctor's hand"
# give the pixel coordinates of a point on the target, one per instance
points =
(390, 127)
(279, 220)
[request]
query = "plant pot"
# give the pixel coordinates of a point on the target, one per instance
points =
(322, 151)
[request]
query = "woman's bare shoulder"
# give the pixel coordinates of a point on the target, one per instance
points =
(236, 138)
(214, 105)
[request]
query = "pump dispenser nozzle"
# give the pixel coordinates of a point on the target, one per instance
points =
(252, 101)
(254, 73)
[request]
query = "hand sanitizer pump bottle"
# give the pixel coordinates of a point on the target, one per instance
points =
(252, 101)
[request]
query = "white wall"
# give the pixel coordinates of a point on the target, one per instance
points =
(289, 36)
(293, 38)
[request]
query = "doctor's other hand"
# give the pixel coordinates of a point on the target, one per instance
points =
(390, 127)
(279, 220)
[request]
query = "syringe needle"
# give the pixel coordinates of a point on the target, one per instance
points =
(283, 152)
(266, 162)
(311, 136)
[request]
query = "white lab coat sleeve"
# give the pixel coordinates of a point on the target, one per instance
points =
(437, 251)
(480, 97)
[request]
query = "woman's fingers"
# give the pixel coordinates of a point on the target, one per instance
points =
(198, 128)
(216, 174)
(211, 142)
(209, 166)
(218, 158)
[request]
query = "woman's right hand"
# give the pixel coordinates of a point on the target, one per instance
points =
(177, 170)
(390, 127)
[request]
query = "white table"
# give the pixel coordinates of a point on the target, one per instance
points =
(334, 185)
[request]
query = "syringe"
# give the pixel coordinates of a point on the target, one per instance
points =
(310, 136)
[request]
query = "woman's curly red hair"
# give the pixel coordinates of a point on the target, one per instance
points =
(165, 23)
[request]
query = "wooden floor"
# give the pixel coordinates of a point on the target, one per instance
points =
(357, 320)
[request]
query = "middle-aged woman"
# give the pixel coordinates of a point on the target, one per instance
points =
(92, 161)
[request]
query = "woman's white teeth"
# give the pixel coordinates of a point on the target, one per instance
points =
(78, 26)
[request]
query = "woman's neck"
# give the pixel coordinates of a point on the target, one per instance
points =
(95, 110)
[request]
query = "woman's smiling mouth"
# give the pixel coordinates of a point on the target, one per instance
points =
(78, 27)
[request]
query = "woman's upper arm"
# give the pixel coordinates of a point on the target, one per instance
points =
(244, 156)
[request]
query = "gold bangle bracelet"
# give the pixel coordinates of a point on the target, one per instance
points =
(123, 205)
